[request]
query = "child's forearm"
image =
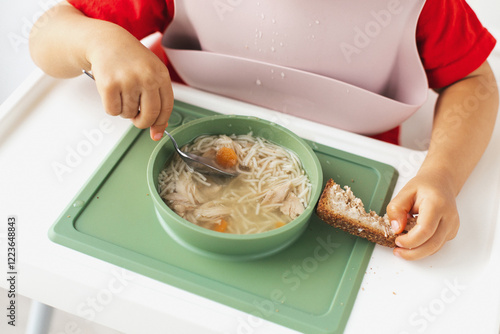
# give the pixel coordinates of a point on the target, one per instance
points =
(464, 120)
(61, 41)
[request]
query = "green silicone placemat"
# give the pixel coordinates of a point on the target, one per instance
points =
(310, 286)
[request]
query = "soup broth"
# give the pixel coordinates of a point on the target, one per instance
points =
(270, 191)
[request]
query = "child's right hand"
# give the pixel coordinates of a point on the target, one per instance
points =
(133, 83)
(129, 77)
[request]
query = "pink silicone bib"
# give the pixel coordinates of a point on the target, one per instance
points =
(350, 64)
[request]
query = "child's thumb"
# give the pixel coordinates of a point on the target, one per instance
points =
(156, 131)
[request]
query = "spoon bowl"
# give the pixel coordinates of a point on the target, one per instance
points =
(201, 164)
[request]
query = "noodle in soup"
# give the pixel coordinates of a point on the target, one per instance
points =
(271, 189)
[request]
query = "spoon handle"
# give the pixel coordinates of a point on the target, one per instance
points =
(183, 154)
(88, 74)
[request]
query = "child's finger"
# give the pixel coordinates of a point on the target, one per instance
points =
(150, 109)
(167, 101)
(430, 247)
(428, 221)
(167, 104)
(111, 98)
(398, 209)
(131, 100)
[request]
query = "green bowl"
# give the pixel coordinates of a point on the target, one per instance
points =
(225, 245)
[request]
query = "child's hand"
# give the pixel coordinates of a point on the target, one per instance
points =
(133, 83)
(459, 137)
(129, 77)
(431, 196)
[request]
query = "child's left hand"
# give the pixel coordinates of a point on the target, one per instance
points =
(460, 134)
(431, 196)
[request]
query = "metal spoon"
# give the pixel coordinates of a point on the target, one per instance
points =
(196, 162)
(201, 164)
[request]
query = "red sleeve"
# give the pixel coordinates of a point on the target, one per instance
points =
(140, 17)
(451, 41)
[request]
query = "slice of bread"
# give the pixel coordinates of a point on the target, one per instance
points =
(341, 209)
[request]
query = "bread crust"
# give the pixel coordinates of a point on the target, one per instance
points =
(330, 215)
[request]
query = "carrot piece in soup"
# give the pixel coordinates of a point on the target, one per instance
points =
(221, 227)
(226, 157)
(279, 224)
